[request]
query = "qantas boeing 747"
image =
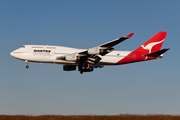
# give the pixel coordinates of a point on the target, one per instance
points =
(88, 59)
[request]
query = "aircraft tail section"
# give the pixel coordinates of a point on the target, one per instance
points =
(147, 51)
(153, 44)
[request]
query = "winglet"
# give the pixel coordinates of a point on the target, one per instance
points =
(129, 35)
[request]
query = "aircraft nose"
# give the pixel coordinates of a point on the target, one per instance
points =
(11, 53)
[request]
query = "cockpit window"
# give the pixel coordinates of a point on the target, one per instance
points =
(22, 46)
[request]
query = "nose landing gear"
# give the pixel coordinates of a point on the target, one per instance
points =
(27, 66)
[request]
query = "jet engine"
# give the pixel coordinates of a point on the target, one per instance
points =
(69, 67)
(99, 50)
(94, 50)
(71, 57)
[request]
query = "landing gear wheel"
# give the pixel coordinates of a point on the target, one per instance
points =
(27, 66)
(81, 72)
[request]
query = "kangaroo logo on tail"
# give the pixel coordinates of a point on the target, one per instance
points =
(150, 46)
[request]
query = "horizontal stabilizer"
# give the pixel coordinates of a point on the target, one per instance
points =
(157, 53)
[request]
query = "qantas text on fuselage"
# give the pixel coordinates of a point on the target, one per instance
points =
(88, 59)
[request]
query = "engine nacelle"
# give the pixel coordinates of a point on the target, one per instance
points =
(94, 50)
(69, 67)
(99, 50)
(71, 57)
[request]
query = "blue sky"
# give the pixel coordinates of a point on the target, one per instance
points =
(150, 87)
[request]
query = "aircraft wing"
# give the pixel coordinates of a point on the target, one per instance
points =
(105, 48)
(117, 41)
(90, 55)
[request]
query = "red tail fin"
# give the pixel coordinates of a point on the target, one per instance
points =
(140, 54)
(153, 44)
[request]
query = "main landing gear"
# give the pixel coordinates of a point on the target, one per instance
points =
(85, 68)
(27, 66)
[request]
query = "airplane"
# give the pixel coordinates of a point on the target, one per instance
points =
(95, 57)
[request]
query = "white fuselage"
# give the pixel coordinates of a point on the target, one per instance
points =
(49, 54)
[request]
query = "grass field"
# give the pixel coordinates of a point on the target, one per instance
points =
(91, 117)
